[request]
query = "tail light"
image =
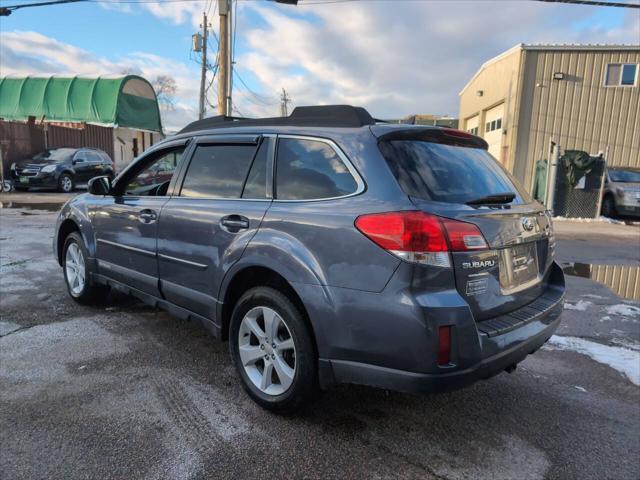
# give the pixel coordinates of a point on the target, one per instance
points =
(420, 237)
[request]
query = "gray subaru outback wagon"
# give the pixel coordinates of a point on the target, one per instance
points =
(327, 248)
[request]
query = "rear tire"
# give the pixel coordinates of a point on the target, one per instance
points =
(266, 323)
(77, 275)
(65, 183)
(609, 207)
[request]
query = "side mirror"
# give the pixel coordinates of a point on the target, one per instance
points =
(99, 186)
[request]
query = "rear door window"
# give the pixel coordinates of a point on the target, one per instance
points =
(447, 173)
(218, 171)
(311, 170)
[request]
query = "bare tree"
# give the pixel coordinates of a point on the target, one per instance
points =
(165, 87)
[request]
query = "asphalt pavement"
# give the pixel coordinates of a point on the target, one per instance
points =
(119, 390)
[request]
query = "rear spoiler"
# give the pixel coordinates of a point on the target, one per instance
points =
(446, 136)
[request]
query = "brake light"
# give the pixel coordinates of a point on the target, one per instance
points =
(452, 132)
(420, 237)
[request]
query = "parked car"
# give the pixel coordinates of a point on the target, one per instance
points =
(621, 192)
(61, 168)
(327, 248)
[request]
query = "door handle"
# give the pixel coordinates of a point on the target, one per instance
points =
(147, 216)
(235, 222)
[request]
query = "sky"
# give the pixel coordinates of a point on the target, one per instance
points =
(394, 57)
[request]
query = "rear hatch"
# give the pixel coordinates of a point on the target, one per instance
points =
(450, 174)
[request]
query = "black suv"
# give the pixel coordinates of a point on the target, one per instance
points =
(62, 168)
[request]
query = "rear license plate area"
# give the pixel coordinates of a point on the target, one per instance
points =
(518, 268)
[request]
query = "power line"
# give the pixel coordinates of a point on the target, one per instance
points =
(6, 11)
(265, 100)
(595, 3)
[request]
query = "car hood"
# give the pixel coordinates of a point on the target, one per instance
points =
(37, 162)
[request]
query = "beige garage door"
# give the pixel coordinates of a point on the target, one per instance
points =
(493, 130)
(471, 125)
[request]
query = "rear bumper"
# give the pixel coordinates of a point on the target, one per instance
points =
(524, 341)
(405, 355)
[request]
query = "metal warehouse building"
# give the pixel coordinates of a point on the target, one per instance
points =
(582, 97)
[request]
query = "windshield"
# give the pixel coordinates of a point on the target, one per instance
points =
(54, 154)
(446, 173)
(625, 176)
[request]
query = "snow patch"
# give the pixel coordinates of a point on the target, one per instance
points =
(578, 387)
(622, 359)
(581, 305)
(623, 310)
(588, 220)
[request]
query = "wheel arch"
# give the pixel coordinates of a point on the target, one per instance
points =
(67, 227)
(258, 276)
(74, 218)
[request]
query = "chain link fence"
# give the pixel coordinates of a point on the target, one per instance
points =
(571, 184)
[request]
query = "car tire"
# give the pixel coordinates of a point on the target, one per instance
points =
(609, 207)
(287, 389)
(65, 183)
(77, 274)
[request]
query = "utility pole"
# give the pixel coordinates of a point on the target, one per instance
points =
(284, 103)
(203, 73)
(224, 59)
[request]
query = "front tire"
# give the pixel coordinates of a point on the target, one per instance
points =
(273, 351)
(609, 207)
(77, 274)
(65, 183)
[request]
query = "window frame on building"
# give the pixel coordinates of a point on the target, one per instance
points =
(622, 67)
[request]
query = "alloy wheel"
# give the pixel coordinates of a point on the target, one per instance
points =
(67, 184)
(267, 350)
(74, 267)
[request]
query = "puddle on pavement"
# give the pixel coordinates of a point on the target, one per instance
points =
(623, 280)
(49, 207)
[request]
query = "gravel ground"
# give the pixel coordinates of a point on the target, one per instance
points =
(120, 390)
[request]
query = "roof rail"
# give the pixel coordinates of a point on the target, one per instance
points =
(345, 116)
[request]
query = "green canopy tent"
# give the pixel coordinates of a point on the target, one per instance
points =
(128, 101)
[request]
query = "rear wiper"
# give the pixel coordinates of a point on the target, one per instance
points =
(497, 198)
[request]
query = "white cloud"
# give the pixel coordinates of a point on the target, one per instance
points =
(411, 57)
(395, 58)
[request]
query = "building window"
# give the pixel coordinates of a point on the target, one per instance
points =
(493, 125)
(621, 75)
(473, 131)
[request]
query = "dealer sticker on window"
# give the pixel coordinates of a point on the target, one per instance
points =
(476, 287)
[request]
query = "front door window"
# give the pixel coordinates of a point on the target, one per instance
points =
(154, 178)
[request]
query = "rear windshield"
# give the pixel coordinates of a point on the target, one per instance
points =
(447, 173)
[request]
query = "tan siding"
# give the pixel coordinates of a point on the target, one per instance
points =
(499, 83)
(579, 112)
